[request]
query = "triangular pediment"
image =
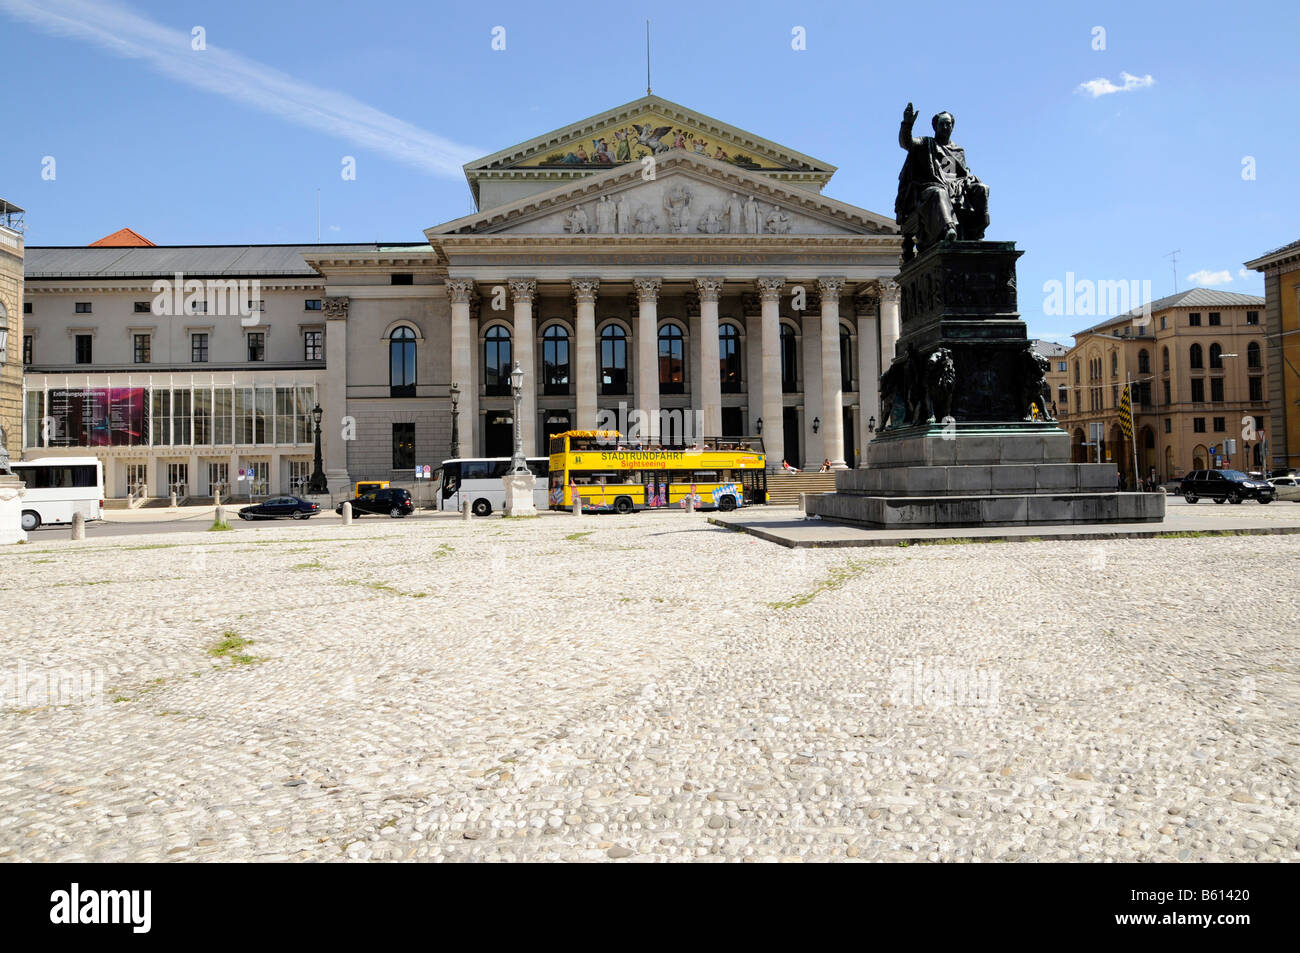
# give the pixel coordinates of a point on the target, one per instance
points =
(626, 135)
(683, 193)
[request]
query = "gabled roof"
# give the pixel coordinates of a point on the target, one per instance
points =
(1275, 257)
(122, 238)
(617, 178)
(1193, 298)
(162, 261)
(645, 126)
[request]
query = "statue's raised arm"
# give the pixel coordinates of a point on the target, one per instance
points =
(905, 139)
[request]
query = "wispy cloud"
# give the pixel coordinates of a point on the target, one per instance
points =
(1204, 277)
(1104, 87)
(123, 32)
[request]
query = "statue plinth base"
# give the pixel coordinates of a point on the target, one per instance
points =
(12, 491)
(519, 494)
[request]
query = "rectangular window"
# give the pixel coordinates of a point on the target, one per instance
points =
(306, 400)
(1169, 425)
(258, 305)
(1162, 322)
(35, 436)
(83, 348)
(1214, 319)
(203, 416)
(403, 446)
(1167, 400)
(256, 346)
(142, 348)
(264, 415)
(313, 345)
(284, 407)
(180, 417)
(1216, 389)
(27, 350)
(1252, 317)
(82, 307)
(27, 307)
(1220, 424)
(1060, 366)
(223, 405)
(1198, 390)
(402, 278)
(244, 415)
(198, 307)
(1257, 388)
(1194, 319)
(312, 304)
(1198, 424)
(142, 307)
(199, 348)
(160, 421)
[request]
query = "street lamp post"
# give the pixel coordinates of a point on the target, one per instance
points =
(517, 463)
(317, 483)
(455, 420)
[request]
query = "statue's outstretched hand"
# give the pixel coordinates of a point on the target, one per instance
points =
(909, 115)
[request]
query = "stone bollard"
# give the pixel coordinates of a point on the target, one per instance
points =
(465, 511)
(78, 525)
(347, 514)
(577, 504)
(220, 518)
(173, 500)
(690, 503)
(216, 498)
(803, 504)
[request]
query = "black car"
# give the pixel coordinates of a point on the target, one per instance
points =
(394, 502)
(278, 506)
(1219, 485)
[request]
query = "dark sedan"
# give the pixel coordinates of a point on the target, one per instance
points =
(1220, 485)
(278, 506)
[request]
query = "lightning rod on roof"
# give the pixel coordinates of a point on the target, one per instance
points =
(1173, 260)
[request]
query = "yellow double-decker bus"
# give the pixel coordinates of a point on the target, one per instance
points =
(614, 475)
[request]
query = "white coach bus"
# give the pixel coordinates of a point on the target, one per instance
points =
(479, 481)
(57, 487)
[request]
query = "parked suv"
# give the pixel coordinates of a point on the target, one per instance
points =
(394, 502)
(1219, 485)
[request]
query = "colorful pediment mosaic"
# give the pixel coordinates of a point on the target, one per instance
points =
(647, 134)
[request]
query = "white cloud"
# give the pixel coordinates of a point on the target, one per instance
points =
(1104, 87)
(1244, 275)
(335, 228)
(1204, 277)
(123, 32)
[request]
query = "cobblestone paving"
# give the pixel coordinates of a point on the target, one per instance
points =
(647, 688)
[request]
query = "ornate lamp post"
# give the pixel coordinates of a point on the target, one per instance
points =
(455, 420)
(316, 483)
(517, 463)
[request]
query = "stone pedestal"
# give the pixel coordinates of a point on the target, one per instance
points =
(519, 494)
(12, 491)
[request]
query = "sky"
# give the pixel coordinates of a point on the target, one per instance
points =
(1110, 134)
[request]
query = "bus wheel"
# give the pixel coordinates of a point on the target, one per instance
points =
(623, 505)
(482, 508)
(31, 520)
(727, 504)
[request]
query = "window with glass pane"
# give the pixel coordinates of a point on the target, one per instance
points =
(672, 350)
(302, 415)
(1216, 388)
(496, 361)
(555, 360)
(27, 350)
(401, 363)
(613, 360)
(846, 360)
(1214, 319)
(161, 418)
(313, 344)
(1252, 355)
(35, 418)
(223, 404)
(203, 416)
(403, 446)
(1198, 389)
(1257, 388)
(284, 407)
(244, 415)
(1216, 356)
(1252, 317)
(1144, 362)
(180, 417)
(789, 360)
(729, 358)
(256, 346)
(142, 348)
(199, 348)
(83, 348)
(263, 416)
(1195, 356)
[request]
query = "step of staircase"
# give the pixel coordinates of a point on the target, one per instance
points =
(783, 487)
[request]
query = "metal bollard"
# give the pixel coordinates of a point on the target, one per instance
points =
(464, 510)
(78, 525)
(577, 504)
(347, 514)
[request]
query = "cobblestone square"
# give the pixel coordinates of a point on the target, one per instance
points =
(648, 688)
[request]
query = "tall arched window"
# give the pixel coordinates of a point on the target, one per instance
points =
(1195, 357)
(1076, 371)
(1114, 363)
(789, 360)
(555, 360)
(1164, 360)
(1144, 362)
(613, 360)
(729, 358)
(672, 360)
(401, 362)
(1216, 356)
(1252, 355)
(846, 360)
(496, 361)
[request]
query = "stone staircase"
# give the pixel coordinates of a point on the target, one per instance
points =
(783, 487)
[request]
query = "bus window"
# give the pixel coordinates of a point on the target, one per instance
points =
(539, 467)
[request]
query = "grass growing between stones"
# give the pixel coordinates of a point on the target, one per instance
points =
(572, 537)
(839, 577)
(218, 526)
(385, 587)
(229, 646)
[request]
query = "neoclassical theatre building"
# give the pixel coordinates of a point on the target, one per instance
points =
(649, 259)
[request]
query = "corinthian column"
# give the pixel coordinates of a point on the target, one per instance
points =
(889, 324)
(866, 307)
(647, 354)
(460, 290)
(584, 357)
(335, 397)
(832, 382)
(773, 403)
(710, 290)
(522, 292)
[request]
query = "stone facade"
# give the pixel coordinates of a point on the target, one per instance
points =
(1281, 270)
(11, 315)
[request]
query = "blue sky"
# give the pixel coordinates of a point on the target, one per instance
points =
(230, 144)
